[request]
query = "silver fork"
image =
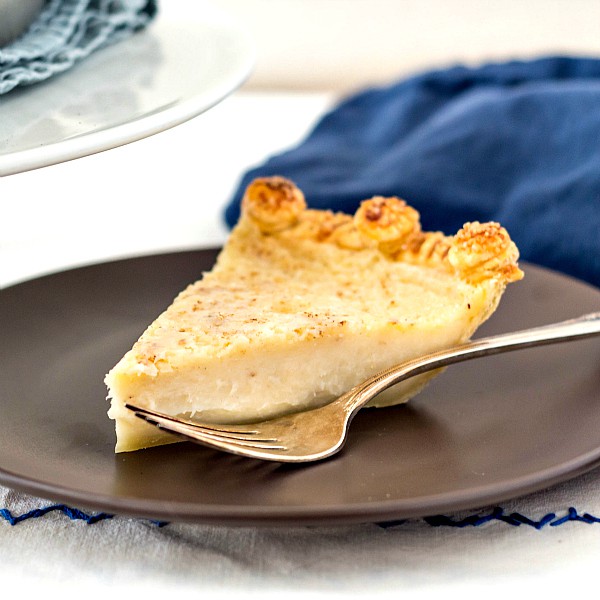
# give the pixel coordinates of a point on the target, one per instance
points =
(316, 434)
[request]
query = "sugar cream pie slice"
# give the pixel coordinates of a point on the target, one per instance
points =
(304, 304)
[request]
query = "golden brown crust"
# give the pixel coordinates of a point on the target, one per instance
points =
(389, 221)
(319, 225)
(478, 251)
(273, 203)
(483, 250)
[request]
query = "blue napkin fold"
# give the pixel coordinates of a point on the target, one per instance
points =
(517, 142)
(67, 31)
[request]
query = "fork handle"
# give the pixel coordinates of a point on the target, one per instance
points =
(585, 326)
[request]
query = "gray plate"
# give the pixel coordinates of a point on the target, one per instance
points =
(482, 432)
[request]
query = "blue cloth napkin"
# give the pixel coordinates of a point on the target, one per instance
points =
(67, 31)
(517, 142)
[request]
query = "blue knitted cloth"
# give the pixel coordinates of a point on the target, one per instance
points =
(67, 31)
(517, 142)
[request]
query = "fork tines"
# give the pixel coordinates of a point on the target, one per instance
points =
(214, 435)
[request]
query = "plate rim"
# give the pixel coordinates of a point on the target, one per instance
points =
(258, 516)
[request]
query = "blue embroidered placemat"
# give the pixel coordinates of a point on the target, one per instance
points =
(516, 142)
(67, 31)
(475, 519)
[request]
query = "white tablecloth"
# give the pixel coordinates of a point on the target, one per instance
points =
(104, 206)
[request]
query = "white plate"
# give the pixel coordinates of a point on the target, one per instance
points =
(183, 64)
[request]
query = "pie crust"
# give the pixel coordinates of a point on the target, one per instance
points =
(303, 304)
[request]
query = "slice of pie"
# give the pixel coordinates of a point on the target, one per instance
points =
(304, 304)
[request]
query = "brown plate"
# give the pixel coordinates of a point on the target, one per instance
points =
(482, 432)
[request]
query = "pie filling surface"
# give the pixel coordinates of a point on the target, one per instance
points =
(304, 304)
